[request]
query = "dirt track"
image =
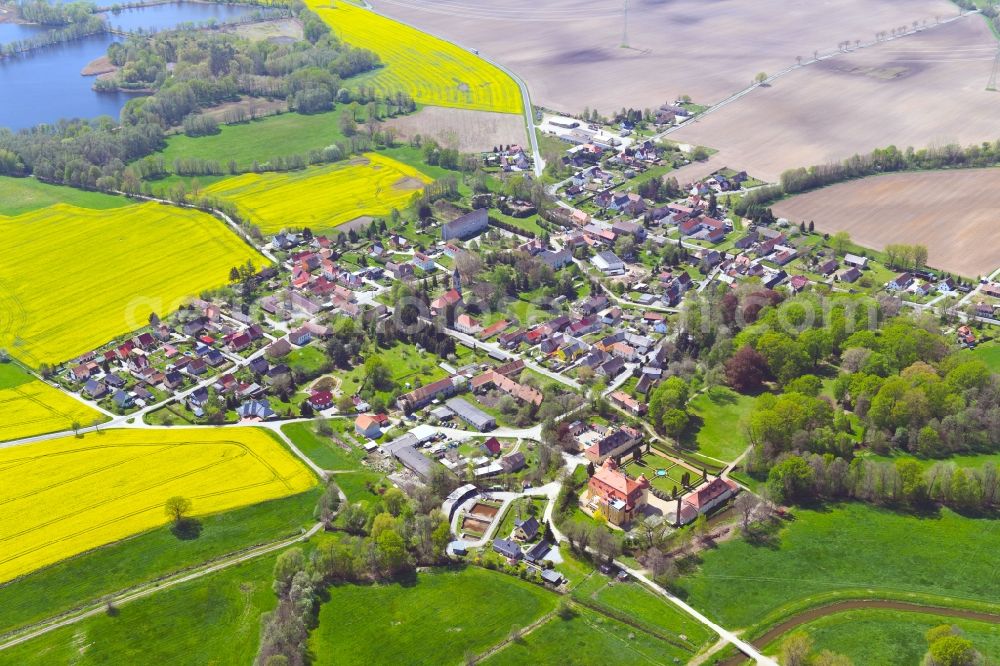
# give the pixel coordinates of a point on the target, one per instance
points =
(858, 604)
(921, 90)
(570, 51)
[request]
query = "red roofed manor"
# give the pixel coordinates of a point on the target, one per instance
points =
(617, 495)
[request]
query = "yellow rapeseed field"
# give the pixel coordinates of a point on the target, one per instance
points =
(65, 496)
(322, 197)
(30, 407)
(429, 69)
(73, 278)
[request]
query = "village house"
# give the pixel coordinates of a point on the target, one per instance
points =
(255, 410)
(493, 329)
(850, 275)
(423, 395)
(628, 403)
(321, 400)
(492, 446)
(423, 262)
(496, 378)
(400, 271)
(966, 336)
(854, 260)
(900, 282)
(705, 499)
(367, 426)
(300, 336)
(526, 529)
(466, 324)
(613, 445)
(508, 548)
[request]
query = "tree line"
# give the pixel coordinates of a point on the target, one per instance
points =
(211, 69)
(385, 539)
(85, 27)
(880, 160)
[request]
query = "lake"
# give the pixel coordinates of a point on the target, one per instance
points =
(45, 85)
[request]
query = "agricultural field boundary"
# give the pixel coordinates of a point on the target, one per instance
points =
(776, 631)
(830, 603)
(538, 164)
(739, 94)
(370, 184)
(449, 58)
(63, 314)
(264, 465)
(139, 592)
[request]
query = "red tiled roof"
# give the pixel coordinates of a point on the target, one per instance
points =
(711, 492)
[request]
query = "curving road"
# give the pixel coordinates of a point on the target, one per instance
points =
(529, 121)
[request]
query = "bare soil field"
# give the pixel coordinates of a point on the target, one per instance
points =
(465, 130)
(570, 51)
(954, 213)
(921, 90)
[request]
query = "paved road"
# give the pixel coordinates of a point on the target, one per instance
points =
(529, 120)
(506, 355)
(731, 638)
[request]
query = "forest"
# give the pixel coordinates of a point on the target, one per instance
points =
(857, 398)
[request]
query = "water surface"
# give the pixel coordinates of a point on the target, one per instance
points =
(45, 85)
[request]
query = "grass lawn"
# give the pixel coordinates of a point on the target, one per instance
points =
(965, 460)
(213, 620)
(646, 608)
(434, 620)
(261, 140)
(120, 565)
(309, 359)
(650, 464)
(847, 548)
(322, 450)
(890, 638)
(355, 485)
(406, 364)
(715, 424)
(588, 638)
(988, 354)
(22, 195)
(529, 223)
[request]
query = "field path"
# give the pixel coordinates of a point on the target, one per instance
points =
(739, 94)
(146, 589)
(860, 604)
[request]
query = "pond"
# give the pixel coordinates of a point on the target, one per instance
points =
(45, 85)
